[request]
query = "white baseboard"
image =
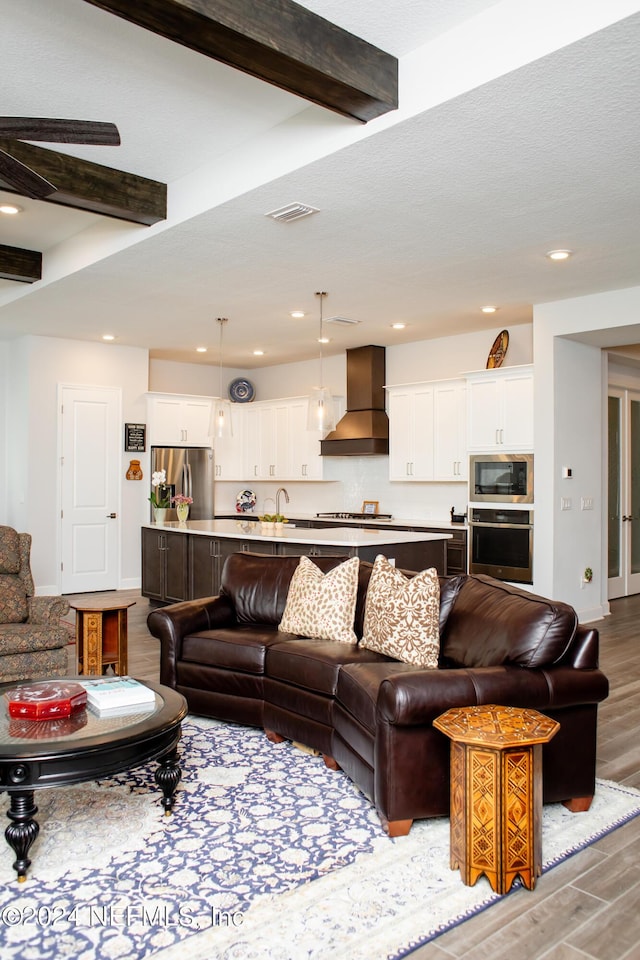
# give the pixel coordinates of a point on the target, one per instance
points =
(592, 613)
(131, 583)
(48, 590)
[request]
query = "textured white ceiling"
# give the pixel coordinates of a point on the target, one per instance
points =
(423, 221)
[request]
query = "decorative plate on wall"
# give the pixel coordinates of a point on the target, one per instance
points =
(241, 390)
(245, 501)
(499, 350)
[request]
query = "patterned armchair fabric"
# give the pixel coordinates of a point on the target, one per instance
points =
(32, 639)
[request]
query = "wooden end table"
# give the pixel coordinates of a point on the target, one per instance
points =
(101, 636)
(496, 792)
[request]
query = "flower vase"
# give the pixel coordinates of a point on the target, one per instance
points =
(159, 515)
(182, 509)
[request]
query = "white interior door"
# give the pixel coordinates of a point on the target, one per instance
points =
(89, 464)
(623, 527)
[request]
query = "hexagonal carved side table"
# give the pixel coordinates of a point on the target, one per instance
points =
(496, 792)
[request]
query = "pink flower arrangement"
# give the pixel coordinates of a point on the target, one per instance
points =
(180, 498)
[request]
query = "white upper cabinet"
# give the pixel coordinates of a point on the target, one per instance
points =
(229, 450)
(500, 410)
(411, 432)
(266, 439)
(305, 462)
(179, 421)
(450, 461)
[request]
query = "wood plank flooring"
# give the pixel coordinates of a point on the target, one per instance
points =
(588, 908)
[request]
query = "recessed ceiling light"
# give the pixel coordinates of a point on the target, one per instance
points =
(201, 349)
(489, 309)
(398, 326)
(323, 340)
(258, 353)
(297, 314)
(108, 336)
(10, 209)
(559, 254)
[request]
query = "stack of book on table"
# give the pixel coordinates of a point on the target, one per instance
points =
(113, 695)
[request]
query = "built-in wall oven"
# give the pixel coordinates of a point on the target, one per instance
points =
(501, 543)
(501, 478)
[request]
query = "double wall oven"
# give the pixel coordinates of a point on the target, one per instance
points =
(501, 525)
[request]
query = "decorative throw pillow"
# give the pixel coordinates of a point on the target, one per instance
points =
(401, 615)
(322, 605)
(13, 600)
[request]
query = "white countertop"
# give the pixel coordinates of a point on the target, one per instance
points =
(331, 537)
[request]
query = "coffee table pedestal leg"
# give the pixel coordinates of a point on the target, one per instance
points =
(168, 777)
(22, 832)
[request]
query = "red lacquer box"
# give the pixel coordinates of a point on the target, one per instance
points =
(46, 700)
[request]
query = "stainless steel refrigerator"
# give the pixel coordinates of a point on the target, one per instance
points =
(190, 470)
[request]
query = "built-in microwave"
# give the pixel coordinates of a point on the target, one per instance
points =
(501, 478)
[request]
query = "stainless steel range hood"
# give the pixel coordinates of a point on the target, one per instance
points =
(364, 429)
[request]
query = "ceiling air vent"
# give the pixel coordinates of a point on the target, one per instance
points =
(293, 211)
(345, 321)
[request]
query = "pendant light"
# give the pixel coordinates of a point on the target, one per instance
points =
(321, 409)
(220, 425)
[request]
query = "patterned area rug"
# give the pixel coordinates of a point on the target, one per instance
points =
(267, 855)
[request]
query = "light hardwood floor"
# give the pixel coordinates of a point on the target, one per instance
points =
(589, 906)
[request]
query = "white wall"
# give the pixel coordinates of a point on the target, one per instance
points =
(37, 366)
(570, 410)
(198, 379)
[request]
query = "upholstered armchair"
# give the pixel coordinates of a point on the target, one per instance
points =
(32, 640)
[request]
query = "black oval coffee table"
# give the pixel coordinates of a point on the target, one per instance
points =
(35, 754)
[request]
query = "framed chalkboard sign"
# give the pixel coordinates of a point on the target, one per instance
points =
(135, 437)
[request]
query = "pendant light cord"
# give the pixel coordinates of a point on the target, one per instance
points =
(221, 321)
(322, 294)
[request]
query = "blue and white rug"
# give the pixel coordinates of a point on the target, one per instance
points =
(268, 854)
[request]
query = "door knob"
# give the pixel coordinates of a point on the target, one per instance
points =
(112, 516)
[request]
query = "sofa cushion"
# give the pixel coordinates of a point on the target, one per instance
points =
(315, 664)
(232, 648)
(9, 550)
(322, 605)
(257, 584)
(359, 684)
(492, 623)
(401, 615)
(13, 600)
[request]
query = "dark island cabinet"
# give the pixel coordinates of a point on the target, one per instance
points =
(179, 566)
(204, 567)
(164, 566)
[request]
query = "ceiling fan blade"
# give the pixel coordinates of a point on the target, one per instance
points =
(45, 130)
(26, 181)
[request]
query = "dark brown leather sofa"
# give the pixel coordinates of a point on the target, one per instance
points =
(370, 715)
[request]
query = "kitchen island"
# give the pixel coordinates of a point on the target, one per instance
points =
(183, 561)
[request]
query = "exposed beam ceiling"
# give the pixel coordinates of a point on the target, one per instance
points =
(91, 186)
(280, 42)
(19, 264)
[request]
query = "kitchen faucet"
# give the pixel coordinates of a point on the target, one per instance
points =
(286, 498)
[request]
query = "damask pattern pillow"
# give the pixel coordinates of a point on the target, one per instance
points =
(322, 605)
(13, 601)
(401, 615)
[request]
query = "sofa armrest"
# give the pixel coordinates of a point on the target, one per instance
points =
(171, 624)
(47, 609)
(413, 699)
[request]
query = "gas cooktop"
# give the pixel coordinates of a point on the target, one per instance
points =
(354, 516)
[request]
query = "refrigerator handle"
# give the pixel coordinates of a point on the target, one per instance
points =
(189, 481)
(185, 480)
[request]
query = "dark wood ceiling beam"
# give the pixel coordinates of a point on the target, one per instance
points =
(280, 42)
(92, 187)
(19, 264)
